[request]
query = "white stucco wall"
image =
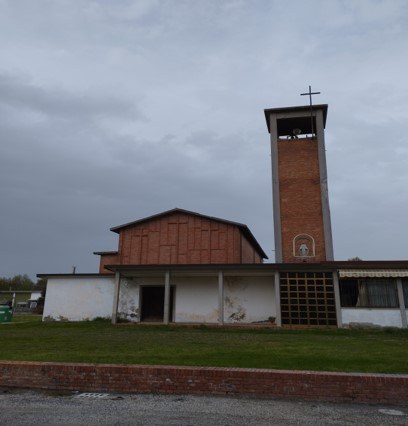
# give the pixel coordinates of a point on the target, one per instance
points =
(246, 299)
(128, 306)
(129, 296)
(196, 299)
(381, 317)
(78, 298)
(249, 299)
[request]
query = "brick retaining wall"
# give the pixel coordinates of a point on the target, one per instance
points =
(345, 387)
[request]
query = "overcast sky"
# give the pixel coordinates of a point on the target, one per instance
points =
(111, 111)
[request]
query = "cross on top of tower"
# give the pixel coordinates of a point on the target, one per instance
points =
(310, 93)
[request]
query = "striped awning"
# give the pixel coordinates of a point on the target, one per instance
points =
(373, 273)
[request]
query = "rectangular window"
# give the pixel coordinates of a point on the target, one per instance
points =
(369, 293)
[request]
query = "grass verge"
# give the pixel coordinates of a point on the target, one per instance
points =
(376, 351)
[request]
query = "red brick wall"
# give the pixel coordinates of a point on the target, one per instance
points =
(107, 259)
(300, 195)
(249, 254)
(183, 239)
(323, 386)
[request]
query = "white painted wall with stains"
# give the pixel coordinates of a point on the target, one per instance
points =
(196, 299)
(249, 299)
(246, 299)
(129, 308)
(78, 298)
(128, 305)
(375, 316)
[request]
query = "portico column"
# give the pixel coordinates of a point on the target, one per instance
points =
(402, 303)
(220, 298)
(337, 299)
(278, 318)
(166, 297)
(116, 291)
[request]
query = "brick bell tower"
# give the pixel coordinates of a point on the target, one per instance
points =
(299, 179)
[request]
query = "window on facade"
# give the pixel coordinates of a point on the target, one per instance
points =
(369, 293)
(405, 290)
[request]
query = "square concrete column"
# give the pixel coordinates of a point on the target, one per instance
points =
(402, 303)
(337, 298)
(220, 298)
(116, 291)
(166, 315)
(278, 319)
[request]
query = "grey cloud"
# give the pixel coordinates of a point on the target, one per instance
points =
(58, 103)
(111, 111)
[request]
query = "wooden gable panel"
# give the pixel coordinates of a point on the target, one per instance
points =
(179, 238)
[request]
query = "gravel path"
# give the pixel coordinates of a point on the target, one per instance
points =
(18, 407)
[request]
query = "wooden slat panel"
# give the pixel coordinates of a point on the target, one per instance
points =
(182, 239)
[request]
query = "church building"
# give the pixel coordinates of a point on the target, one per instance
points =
(180, 266)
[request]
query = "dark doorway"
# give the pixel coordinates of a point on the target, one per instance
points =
(152, 302)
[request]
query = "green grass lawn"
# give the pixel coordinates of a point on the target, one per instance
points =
(381, 351)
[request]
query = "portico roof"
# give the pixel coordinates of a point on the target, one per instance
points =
(397, 268)
(332, 266)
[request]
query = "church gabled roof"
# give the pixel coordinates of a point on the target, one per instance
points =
(243, 228)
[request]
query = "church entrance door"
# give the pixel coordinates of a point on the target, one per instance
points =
(152, 303)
